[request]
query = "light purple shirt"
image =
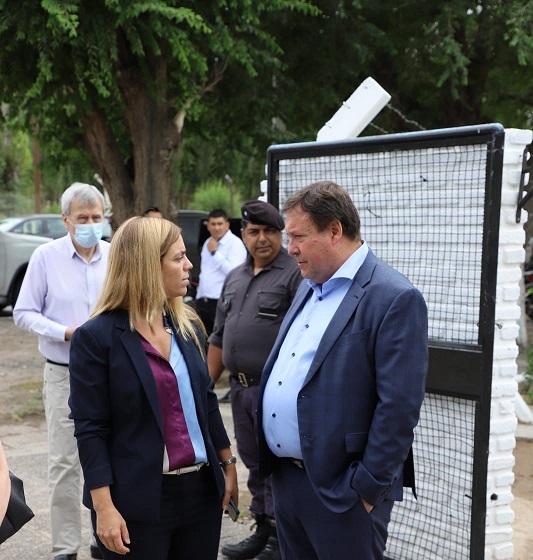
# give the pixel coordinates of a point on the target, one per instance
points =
(60, 290)
(280, 416)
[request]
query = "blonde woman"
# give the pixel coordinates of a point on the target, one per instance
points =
(156, 458)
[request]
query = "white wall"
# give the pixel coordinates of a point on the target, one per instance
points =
(504, 387)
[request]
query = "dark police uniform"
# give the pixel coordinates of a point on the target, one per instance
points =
(249, 313)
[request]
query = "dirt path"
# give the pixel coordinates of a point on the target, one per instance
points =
(20, 401)
(523, 501)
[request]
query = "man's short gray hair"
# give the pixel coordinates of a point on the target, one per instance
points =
(85, 195)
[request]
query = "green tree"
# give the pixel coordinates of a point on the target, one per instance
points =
(22, 156)
(119, 78)
(15, 162)
(131, 81)
(445, 64)
(203, 159)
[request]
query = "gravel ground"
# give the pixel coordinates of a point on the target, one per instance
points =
(23, 434)
(26, 448)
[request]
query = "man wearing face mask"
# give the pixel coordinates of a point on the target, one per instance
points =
(60, 288)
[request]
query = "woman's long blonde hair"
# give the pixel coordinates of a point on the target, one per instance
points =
(134, 279)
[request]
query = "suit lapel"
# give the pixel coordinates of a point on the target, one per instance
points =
(338, 323)
(133, 347)
(336, 326)
(343, 314)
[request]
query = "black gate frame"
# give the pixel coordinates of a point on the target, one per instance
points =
(455, 370)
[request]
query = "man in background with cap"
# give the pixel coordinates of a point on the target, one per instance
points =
(254, 299)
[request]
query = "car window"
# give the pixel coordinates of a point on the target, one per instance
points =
(31, 227)
(44, 226)
(56, 227)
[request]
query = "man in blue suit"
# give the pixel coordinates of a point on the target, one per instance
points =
(342, 388)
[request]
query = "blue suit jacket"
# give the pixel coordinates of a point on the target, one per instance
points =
(117, 419)
(361, 398)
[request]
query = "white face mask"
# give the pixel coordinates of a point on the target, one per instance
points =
(88, 235)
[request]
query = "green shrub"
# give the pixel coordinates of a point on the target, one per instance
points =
(216, 194)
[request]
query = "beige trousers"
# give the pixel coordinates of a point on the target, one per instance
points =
(64, 471)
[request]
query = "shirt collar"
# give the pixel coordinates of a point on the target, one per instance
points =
(225, 237)
(73, 252)
(274, 263)
(347, 271)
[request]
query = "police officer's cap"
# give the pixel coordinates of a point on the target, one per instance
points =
(262, 213)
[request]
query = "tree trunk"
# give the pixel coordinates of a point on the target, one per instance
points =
(154, 135)
(107, 159)
(154, 138)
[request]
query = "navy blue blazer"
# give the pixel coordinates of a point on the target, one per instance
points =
(117, 419)
(361, 398)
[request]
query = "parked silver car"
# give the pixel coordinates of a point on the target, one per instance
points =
(15, 253)
(19, 236)
(43, 225)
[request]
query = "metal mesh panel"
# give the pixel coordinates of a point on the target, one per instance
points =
(437, 525)
(422, 213)
(422, 208)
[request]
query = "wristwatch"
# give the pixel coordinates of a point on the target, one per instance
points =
(213, 252)
(228, 461)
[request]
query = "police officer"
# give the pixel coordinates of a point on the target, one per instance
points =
(254, 299)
